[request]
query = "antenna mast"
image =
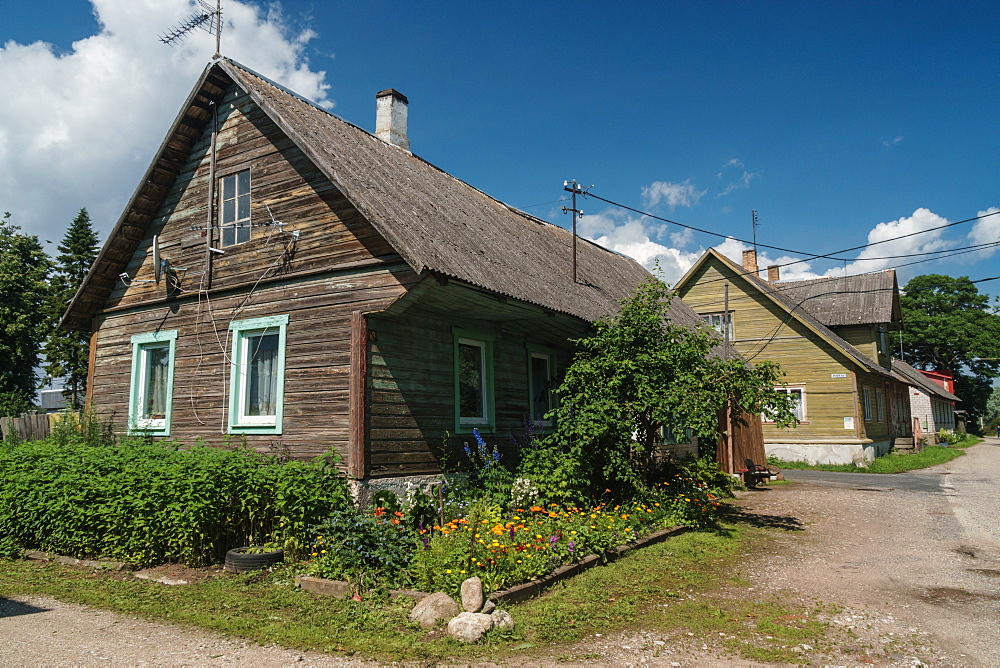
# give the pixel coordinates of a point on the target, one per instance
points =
(207, 18)
(753, 223)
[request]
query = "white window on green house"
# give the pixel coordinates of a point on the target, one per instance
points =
(880, 404)
(866, 400)
(234, 208)
(473, 381)
(152, 383)
(257, 375)
(798, 395)
(720, 322)
(541, 371)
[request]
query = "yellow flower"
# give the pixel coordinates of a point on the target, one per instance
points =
(461, 571)
(627, 529)
(573, 532)
(448, 571)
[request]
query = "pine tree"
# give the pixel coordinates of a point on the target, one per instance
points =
(67, 352)
(24, 271)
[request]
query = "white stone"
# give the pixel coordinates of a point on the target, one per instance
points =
(469, 626)
(472, 595)
(434, 608)
(502, 619)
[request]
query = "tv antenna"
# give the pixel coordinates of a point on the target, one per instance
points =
(754, 224)
(205, 17)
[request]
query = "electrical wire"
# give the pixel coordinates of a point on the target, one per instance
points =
(811, 256)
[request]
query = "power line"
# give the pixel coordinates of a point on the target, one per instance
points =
(811, 256)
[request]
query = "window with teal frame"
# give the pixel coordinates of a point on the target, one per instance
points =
(474, 407)
(257, 375)
(152, 384)
(541, 373)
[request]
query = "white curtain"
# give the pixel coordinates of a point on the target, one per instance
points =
(262, 374)
(157, 368)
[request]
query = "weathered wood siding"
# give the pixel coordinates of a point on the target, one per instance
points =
(331, 232)
(338, 265)
(412, 371)
(764, 331)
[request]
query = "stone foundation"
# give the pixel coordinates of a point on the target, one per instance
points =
(860, 453)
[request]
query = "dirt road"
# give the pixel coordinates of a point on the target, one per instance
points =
(930, 560)
(914, 563)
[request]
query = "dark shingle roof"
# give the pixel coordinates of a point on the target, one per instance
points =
(793, 307)
(436, 222)
(439, 223)
(913, 377)
(861, 299)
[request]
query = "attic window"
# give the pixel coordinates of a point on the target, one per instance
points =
(234, 209)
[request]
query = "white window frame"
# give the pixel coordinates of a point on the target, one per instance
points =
(484, 342)
(141, 345)
(716, 320)
(789, 389)
(242, 330)
(550, 367)
(236, 223)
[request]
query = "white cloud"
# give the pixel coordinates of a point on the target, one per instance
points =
(634, 236)
(889, 143)
(742, 183)
(986, 231)
(78, 129)
(675, 194)
(892, 253)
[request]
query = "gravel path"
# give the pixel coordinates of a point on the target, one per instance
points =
(46, 632)
(916, 573)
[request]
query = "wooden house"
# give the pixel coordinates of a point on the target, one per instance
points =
(932, 405)
(830, 337)
(285, 278)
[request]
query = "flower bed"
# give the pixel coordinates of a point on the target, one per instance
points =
(378, 550)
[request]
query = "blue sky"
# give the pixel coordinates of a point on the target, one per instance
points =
(839, 122)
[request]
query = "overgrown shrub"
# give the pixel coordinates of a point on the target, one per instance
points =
(152, 503)
(370, 550)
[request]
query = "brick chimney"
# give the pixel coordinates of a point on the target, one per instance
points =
(750, 261)
(390, 118)
(773, 273)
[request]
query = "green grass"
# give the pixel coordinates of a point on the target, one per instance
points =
(894, 462)
(677, 588)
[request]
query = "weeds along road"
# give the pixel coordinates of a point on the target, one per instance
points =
(923, 546)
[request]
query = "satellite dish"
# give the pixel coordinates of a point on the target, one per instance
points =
(157, 264)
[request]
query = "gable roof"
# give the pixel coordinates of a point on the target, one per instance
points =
(861, 299)
(913, 377)
(793, 307)
(435, 222)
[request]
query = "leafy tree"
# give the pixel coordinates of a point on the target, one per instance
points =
(992, 418)
(949, 325)
(67, 352)
(635, 378)
(23, 292)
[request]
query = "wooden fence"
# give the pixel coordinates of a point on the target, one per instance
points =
(29, 427)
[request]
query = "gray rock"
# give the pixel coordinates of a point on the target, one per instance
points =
(469, 626)
(433, 609)
(488, 607)
(472, 595)
(502, 619)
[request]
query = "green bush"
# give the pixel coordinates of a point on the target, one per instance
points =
(151, 503)
(372, 551)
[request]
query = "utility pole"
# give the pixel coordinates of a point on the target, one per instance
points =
(574, 188)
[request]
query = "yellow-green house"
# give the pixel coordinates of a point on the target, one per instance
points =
(830, 336)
